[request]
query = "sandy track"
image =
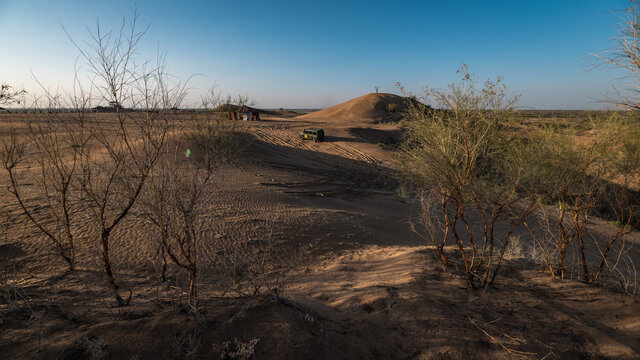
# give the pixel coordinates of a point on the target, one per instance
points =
(290, 138)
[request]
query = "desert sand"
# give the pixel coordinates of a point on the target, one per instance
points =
(365, 287)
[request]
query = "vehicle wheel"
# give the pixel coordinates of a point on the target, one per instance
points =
(315, 140)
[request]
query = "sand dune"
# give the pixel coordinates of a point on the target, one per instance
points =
(371, 108)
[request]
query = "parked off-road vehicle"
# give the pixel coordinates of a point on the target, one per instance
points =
(314, 134)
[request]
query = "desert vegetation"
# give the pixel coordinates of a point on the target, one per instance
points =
(9, 95)
(461, 158)
(81, 174)
(447, 224)
(469, 160)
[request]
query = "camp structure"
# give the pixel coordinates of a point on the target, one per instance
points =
(239, 112)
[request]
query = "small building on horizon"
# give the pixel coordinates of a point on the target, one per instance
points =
(239, 112)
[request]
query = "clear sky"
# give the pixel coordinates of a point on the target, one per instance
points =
(314, 54)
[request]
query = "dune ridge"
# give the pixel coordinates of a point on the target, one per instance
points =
(372, 108)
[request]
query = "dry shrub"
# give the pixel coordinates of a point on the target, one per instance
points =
(188, 343)
(94, 165)
(180, 195)
(43, 165)
(9, 95)
(181, 192)
(253, 268)
(471, 166)
(464, 164)
(117, 161)
(515, 249)
(237, 350)
(87, 164)
(599, 178)
(88, 347)
(13, 296)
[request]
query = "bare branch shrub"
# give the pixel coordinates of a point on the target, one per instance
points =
(252, 268)
(96, 159)
(625, 55)
(182, 193)
(116, 163)
(13, 297)
(179, 198)
(9, 96)
(181, 189)
(237, 350)
(42, 165)
(94, 164)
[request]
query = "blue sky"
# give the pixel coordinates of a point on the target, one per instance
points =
(314, 54)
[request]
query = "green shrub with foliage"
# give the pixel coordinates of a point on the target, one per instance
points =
(463, 160)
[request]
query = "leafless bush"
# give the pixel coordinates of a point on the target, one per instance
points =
(515, 249)
(251, 268)
(237, 350)
(625, 55)
(90, 163)
(181, 189)
(117, 161)
(88, 347)
(8, 95)
(42, 166)
(13, 296)
(188, 343)
(92, 168)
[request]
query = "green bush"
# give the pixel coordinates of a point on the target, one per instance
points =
(461, 158)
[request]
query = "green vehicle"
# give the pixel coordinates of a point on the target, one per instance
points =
(314, 134)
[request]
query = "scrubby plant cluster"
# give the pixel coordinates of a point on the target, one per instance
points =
(599, 178)
(461, 158)
(144, 158)
(481, 177)
(9, 95)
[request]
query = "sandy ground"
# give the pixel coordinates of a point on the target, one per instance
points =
(366, 287)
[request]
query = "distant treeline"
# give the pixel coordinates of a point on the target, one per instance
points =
(563, 113)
